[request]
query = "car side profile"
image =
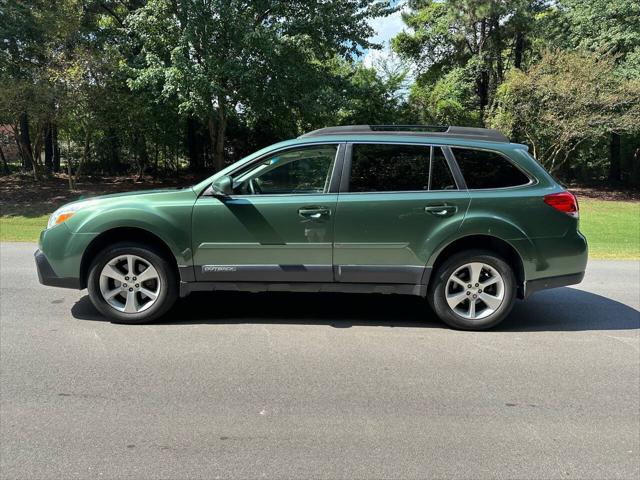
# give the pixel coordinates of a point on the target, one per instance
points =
(458, 215)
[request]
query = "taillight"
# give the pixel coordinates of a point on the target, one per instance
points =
(565, 202)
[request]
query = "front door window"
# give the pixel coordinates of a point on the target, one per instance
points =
(300, 171)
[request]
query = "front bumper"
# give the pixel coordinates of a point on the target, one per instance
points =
(47, 276)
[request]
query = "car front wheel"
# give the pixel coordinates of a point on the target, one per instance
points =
(132, 283)
(473, 290)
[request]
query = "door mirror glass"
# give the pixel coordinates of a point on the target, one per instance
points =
(222, 186)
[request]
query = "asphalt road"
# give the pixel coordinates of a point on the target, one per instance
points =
(322, 386)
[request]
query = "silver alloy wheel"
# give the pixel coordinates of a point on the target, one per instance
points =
(475, 290)
(130, 284)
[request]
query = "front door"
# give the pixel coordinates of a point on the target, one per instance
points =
(397, 203)
(278, 224)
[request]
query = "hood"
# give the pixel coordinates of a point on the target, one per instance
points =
(131, 194)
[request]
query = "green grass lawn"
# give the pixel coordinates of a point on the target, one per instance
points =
(21, 228)
(611, 227)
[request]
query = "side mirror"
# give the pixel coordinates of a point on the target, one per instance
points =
(222, 186)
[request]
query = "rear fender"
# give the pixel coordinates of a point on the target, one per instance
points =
(501, 229)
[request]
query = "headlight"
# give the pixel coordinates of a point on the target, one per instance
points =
(64, 213)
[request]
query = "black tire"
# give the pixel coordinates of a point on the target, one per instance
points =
(437, 294)
(168, 292)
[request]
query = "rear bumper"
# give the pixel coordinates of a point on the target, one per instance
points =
(47, 276)
(533, 286)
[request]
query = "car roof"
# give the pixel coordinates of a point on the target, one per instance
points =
(412, 131)
(449, 136)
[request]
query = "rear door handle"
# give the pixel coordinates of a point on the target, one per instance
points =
(314, 213)
(441, 210)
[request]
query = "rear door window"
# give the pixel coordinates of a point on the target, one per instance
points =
(398, 168)
(441, 177)
(484, 169)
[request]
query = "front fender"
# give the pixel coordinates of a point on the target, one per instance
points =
(166, 215)
(174, 230)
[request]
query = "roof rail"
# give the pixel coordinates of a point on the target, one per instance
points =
(474, 133)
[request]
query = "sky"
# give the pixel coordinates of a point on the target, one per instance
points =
(386, 28)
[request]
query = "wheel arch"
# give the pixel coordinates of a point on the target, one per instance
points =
(124, 234)
(482, 242)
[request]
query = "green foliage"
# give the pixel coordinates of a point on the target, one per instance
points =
(482, 62)
(373, 94)
(224, 58)
(566, 99)
(152, 86)
(449, 101)
(124, 79)
(463, 46)
(605, 26)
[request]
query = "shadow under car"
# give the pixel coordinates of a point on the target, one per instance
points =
(561, 309)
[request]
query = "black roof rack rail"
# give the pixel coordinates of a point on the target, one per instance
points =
(473, 133)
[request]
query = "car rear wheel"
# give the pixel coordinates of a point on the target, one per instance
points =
(473, 290)
(132, 283)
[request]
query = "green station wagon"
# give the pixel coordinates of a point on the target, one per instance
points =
(458, 215)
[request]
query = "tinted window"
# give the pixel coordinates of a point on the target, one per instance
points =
(482, 169)
(441, 177)
(304, 170)
(396, 168)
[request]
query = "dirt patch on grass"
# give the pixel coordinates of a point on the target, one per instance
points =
(21, 195)
(606, 193)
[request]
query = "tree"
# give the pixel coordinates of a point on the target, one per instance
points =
(611, 28)
(221, 58)
(450, 100)
(472, 43)
(566, 99)
(372, 95)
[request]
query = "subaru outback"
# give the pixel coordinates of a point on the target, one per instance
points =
(458, 215)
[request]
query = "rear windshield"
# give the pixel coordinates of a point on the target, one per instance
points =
(485, 169)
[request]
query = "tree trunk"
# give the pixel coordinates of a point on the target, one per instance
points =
(218, 151)
(114, 151)
(497, 48)
(142, 157)
(69, 168)
(48, 147)
(86, 152)
(615, 164)
(211, 127)
(635, 168)
(56, 147)
(25, 142)
(155, 160)
(518, 50)
(194, 144)
(5, 166)
(482, 89)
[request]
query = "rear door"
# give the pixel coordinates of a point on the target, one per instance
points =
(397, 203)
(278, 224)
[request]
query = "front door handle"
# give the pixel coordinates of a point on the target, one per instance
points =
(314, 213)
(441, 210)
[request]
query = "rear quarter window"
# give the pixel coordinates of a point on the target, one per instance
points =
(485, 169)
